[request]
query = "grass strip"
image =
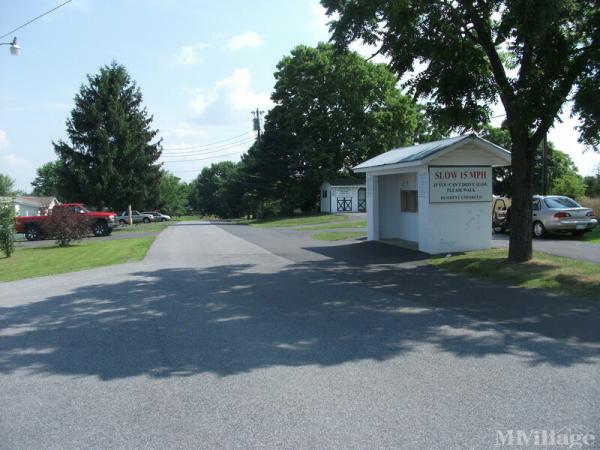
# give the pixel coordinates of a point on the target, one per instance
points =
(547, 272)
(142, 227)
(333, 226)
(593, 236)
(41, 261)
(298, 221)
(338, 235)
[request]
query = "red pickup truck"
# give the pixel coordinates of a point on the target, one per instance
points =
(102, 223)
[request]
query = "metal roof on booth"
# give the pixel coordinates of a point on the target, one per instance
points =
(424, 152)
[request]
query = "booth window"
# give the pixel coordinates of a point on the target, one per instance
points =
(408, 201)
(324, 193)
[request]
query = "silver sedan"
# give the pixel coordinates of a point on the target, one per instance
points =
(558, 213)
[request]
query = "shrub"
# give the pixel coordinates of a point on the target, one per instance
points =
(571, 185)
(66, 226)
(7, 228)
(593, 202)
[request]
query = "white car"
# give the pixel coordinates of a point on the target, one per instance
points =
(158, 217)
(136, 217)
(560, 213)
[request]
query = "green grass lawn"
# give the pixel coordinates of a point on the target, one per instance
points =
(188, 218)
(142, 227)
(332, 226)
(338, 235)
(298, 221)
(546, 272)
(40, 261)
(593, 236)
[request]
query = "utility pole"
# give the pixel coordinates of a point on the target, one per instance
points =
(256, 115)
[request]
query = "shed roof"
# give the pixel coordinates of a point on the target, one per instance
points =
(422, 153)
(346, 182)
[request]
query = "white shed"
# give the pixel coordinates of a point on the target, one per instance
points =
(343, 195)
(436, 197)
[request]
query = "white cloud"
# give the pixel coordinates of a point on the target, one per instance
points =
(13, 160)
(564, 135)
(3, 139)
(200, 101)
(249, 39)
(239, 94)
(189, 55)
(320, 20)
(232, 94)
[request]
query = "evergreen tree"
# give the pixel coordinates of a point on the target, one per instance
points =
(7, 185)
(111, 157)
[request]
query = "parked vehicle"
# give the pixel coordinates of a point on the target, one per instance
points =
(562, 214)
(500, 214)
(158, 217)
(101, 223)
(136, 217)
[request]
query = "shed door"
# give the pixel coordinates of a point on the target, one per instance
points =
(344, 204)
(362, 199)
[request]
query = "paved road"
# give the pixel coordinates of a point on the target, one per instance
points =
(229, 336)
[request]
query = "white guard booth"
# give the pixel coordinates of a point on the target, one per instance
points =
(343, 195)
(435, 197)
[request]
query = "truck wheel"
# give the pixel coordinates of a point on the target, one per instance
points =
(33, 233)
(578, 233)
(538, 229)
(100, 229)
(122, 222)
(146, 220)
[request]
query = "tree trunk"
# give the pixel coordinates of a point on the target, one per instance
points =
(519, 249)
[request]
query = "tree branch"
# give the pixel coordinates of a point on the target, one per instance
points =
(484, 38)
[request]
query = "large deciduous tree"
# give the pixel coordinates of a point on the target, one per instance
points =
(332, 111)
(172, 194)
(112, 154)
(217, 190)
(560, 171)
(534, 55)
(47, 181)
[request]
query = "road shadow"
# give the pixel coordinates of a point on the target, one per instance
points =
(231, 319)
(550, 315)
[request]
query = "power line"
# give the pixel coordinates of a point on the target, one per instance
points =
(210, 144)
(172, 154)
(204, 159)
(36, 18)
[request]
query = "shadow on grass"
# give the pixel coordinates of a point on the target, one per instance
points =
(537, 273)
(236, 318)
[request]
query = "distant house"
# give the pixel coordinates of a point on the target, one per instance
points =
(27, 205)
(343, 195)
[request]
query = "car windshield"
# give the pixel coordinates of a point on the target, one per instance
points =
(561, 202)
(84, 208)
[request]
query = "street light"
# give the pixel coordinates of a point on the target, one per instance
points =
(15, 49)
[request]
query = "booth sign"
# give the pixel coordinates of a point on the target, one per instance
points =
(460, 184)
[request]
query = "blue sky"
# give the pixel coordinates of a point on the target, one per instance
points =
(202, 67)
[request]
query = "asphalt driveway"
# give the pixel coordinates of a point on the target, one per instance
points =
(229, 336)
